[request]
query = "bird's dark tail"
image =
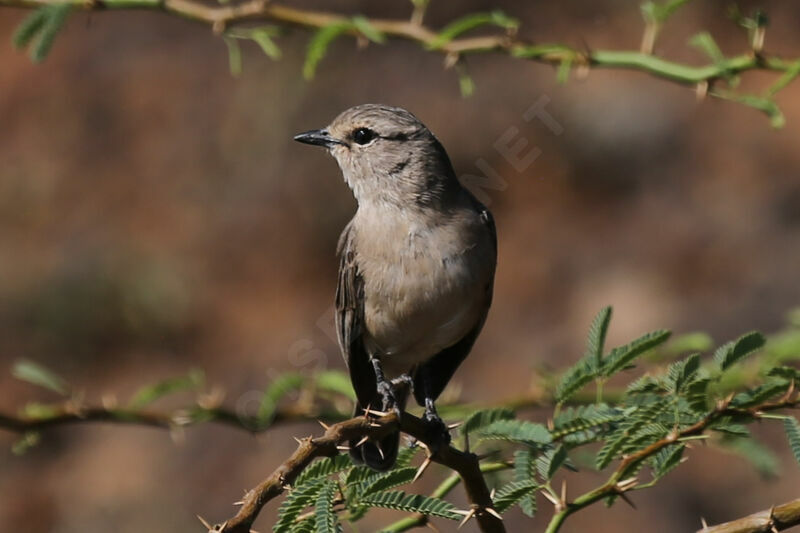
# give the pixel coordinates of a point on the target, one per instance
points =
(381, 454)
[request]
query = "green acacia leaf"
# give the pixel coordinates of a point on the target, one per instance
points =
(405, 456)
(323, 468)
(762, 458)
(388, 480)
(480, 419)
(792, 428)
(621, 357)
(523, 472)
(299, 498)
(335, 381)
(412, 503)
(735, 351)
(325, 518)
(469, 22)
(318, 46)
(760, 394)
(512, 493)
(681, 373)
(234, 56)
(706, 43)
(264, 40)
(595, 342)
(575, 378)
(516, 431)
(549, 462)
(365, 27)
(36, 374)
(667, 459)
(25, 443)
(29, 27)
(275, 392)
(585, 423)
(194, 380)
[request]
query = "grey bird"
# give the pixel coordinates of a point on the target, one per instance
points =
(416, 269)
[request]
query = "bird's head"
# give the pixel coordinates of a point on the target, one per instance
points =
(386, 155)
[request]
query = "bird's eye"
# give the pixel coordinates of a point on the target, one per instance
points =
(363, 135)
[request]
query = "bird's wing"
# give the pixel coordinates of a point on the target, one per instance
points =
(432, 377)
(350, 320)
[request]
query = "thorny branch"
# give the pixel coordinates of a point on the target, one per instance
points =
(703, 78)
(778, 518)
(466, 464)
(619, 483)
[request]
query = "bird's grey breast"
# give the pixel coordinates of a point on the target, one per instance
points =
(425, 280)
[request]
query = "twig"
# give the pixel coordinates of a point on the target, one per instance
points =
(464, 463)
(777, 518)
(223, 16)
(67, 414)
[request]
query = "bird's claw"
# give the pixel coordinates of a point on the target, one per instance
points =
(438, 435)
(388, 398)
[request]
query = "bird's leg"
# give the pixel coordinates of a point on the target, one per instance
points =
(385, 388)
(438, 433)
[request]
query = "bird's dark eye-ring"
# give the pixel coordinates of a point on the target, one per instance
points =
(363, 135)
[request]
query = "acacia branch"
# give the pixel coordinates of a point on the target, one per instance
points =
(778, 518)
(617, 484)
(67, 414)
(222, 17)
(466, 464)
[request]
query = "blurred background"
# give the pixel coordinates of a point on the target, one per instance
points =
(156, 216)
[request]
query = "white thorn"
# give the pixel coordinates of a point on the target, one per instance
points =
(421, 469)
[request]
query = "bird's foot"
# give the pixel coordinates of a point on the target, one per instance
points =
(438, 435)
(403, 383)
(388, 398)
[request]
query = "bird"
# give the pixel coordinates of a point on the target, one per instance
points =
(416, 267)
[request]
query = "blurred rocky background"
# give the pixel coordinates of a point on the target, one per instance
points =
(155, 216)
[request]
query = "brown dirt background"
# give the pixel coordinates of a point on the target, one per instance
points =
(155, 215)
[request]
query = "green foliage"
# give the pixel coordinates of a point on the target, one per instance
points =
(512, 493)
(318, 46)
(194, 380)
(323, 468)
(520, 431)
(25, 443)
(299, 498)
(39, 29)
(641, 430)
(26, 370)
(732, 352)
(763, 459)
(412, 503)
(234, 56)
(324, 37)
(263, 36)
(659, 12)
(523, 473)
(326, 521)
(481, 419)
(667, 459)
(470, 22)
(335, 381)
(550, 461)
(792, 428)
(274, 393)
(594, 366)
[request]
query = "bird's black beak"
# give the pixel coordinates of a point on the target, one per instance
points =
(318, 137)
